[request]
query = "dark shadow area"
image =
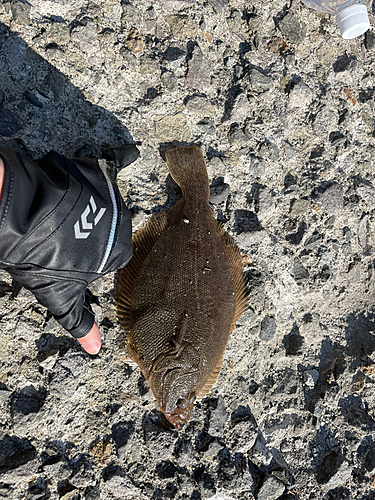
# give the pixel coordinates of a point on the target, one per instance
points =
(41, 110)
(360, 337)
(155, 422)
(49, 344)
(175, 144)
(332, 365)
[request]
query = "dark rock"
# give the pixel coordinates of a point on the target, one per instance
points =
(344, 63)
(300, 273)
(360, 338)
(317, 152)
(198, 75)
(331, 201)
(2, 98)
(231, 469)
(121, 434)
(337, 139)
(315, 240)
(84, 476)
(293, 342)
(57, 467)
(205, 480)
(269, 150)
(155, 422)
(38, 489)
(329, 466)
(339, 493)
(21, 12)
(307, 318)
(325, 273)
(196, 495)
(92, 493)
(219, 191)
(206, 126)
(354, 412)
(242, 414)
(296, 238)
(267, 328)
(218, 418)
(259, 81)
(33, 99)
(366, 453)
(270, 489)
(202, 441)
(166, 469)
(237, 136)
(173, 53)
(170, 491)
(253, 387)
(9, 123)
(292, 29)
(369, 40)
(142, 386)
(15, 451)
(28, 400)
(246, 221)
(218, 5)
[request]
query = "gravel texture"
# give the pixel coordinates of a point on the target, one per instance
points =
(283, 109)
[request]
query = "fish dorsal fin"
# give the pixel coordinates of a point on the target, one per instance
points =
(240, 288)
(142, 242)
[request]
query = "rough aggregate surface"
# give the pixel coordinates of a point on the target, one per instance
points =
(283, 109)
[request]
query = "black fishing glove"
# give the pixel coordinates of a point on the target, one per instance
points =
(63, 224)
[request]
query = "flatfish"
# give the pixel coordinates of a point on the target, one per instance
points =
(181, 294)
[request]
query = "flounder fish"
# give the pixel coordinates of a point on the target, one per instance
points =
(181, 294)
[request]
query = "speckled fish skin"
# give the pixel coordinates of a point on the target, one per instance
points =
(180, 296)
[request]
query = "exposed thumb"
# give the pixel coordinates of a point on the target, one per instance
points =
(91, 342)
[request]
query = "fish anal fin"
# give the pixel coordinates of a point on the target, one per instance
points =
(142, 242)
(210, 382)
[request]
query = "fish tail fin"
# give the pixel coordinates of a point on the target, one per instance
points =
(187, 167)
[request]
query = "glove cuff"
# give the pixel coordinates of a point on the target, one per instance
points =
(121, 157)
(87, 322)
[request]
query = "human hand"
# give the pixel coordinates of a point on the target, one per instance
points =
(71, 228)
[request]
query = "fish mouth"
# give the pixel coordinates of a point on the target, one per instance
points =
(176, 420)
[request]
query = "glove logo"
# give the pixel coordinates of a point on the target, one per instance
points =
(80, 229)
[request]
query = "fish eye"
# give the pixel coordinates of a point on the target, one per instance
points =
(180, 403)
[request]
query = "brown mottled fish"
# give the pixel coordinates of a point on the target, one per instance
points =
(181, 294)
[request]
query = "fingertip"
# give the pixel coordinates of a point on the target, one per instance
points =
(91, 342)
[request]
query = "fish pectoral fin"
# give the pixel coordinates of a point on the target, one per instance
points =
(142, 242)
(210, 382)
(180, 330)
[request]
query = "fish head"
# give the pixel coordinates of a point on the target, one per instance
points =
(174, 380)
